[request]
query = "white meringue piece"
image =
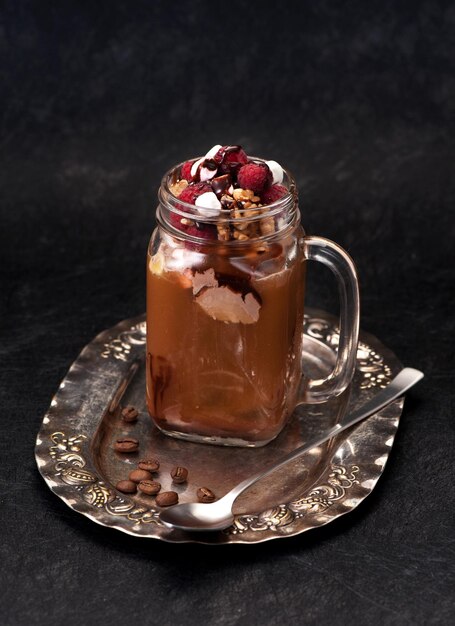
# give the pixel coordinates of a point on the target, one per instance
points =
(206, 174)
(231, 189)
(208, 204)
(277, 171)
(195, 166)
(211, 153)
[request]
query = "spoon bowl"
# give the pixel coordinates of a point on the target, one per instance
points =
(218, 515)
(197, 516)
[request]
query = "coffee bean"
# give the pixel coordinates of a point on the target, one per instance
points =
(126, 444)
(126, 486)
(149, 487)
(129, 414)
(137, 475)
(179, 475)
(205, 495)
(150, 465)
(167, 498)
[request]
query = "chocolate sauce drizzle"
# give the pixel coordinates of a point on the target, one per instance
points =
(218, 162)
(220, 185)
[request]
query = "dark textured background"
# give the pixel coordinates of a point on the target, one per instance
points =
(98, 100)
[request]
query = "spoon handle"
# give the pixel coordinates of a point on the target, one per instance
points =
(399, 385)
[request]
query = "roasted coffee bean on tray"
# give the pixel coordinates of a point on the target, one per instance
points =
(126, 486)
(179, 475)
(205, 495)
(167, 498)
(126, 444)
(138, 474)
(150, 465)
(130, 414)
(149, 487)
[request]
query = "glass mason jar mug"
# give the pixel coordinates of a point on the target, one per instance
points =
(225, 320)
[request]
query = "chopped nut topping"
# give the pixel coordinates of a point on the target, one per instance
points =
(238, 194)
(251, 211)
(240, 236)
(253, 230)
(177, 188)
(241, 225)
(224, 233)
(227, 202)
(267, 226)
(245, 195)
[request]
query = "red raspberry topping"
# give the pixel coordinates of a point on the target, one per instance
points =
(227, 155)
(174, 218)
(255, 176)
(186, 170)
(205, 231)
(196, 229)
(193, 191)
(274, 193)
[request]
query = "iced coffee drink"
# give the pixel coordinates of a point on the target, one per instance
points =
(225, 284)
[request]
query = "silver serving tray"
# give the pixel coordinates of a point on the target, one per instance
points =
(75, 456)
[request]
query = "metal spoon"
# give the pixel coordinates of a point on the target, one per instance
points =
(218, 515)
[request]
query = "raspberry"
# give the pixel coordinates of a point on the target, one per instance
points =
(190, 193)
(255, 176)
(186, 170)
(231, 156)
(230, 160)
(274, 193)
(175, 221)
(204, 231)
(195, 229)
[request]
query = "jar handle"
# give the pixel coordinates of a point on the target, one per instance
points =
(341, 264)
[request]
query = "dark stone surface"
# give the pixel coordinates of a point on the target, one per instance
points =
(98, 100)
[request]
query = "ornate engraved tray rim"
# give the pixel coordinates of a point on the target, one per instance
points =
(64, 452)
